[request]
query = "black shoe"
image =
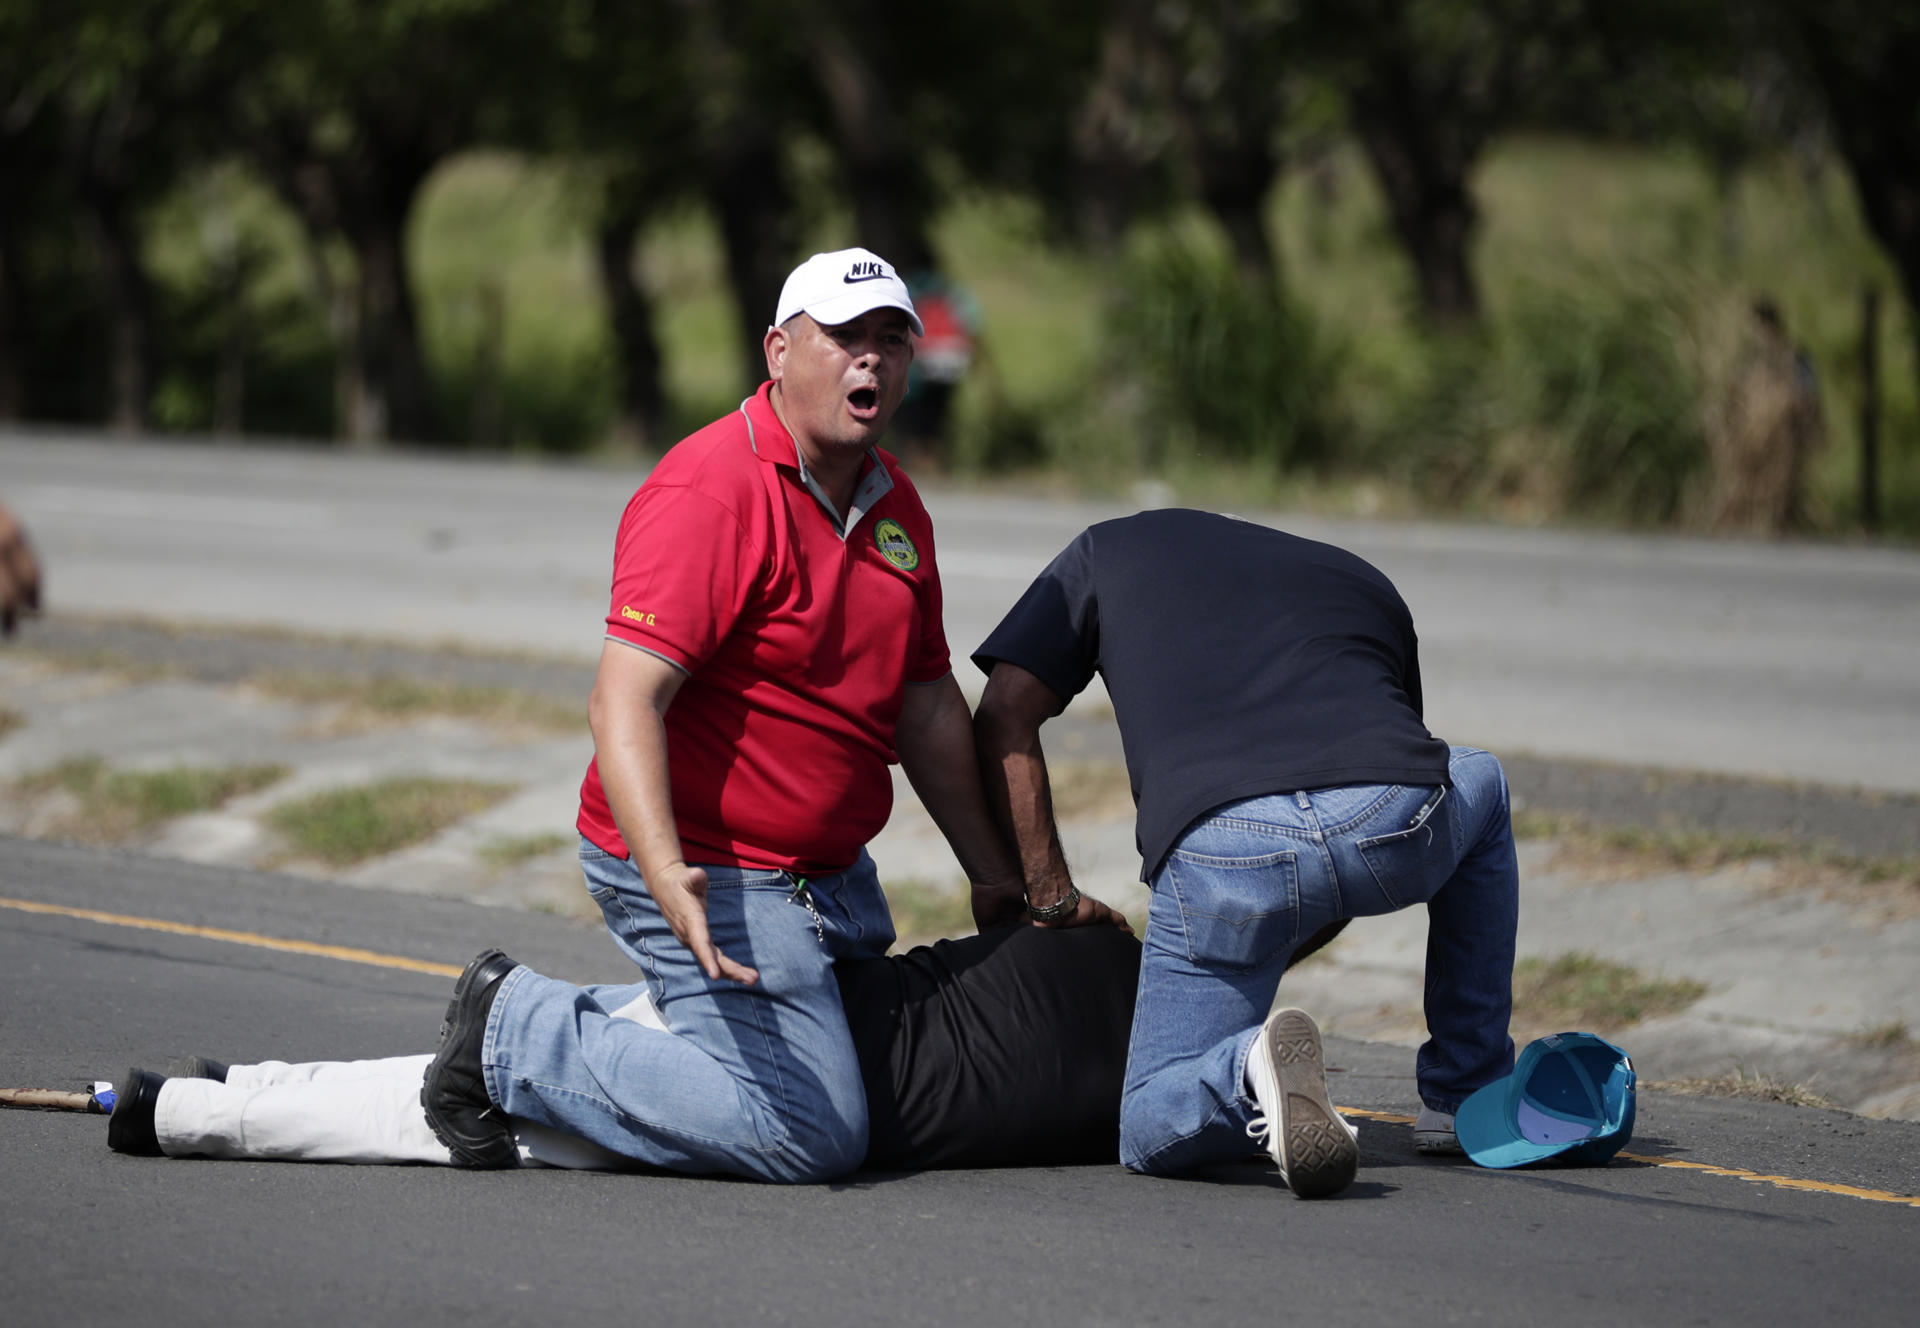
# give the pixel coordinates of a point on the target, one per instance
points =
(454, 1093)
(130, 1126)
(197, 1067)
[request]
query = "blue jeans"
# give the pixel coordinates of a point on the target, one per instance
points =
(1251, 880)
(757, 1081)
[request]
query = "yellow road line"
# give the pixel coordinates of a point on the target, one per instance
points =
(1778, 1182)
(342, 952)
(378, 960)
(1706, 1168)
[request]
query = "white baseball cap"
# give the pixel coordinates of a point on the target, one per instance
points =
(838, 287)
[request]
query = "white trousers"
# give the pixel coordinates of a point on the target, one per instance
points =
(344, 1111)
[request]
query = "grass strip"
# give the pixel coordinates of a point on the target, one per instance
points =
(392, 699)
(115, 805)
(1745, 1087)
(1703, 850)
(343, 826)
(505, 851)
(1583, 991)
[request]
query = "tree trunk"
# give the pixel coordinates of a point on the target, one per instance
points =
(1421, 162)
(1107, 162)
(99, 152)
(880, 169)
(759, 231)
(391, 360)
(641, 424)
(1861, 59)
(129, 310)
(382, 388)
(1244, 219)
(336, 303)
(15, 334)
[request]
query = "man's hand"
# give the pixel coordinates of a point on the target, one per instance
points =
(1088, 912)
(681, 893)
(996, 906)
(19, 573)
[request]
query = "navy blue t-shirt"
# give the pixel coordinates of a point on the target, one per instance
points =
(1241, 661)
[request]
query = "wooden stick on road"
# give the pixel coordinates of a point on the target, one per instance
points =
(47, 1099)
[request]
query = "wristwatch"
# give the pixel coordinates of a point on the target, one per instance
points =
(1062, 907)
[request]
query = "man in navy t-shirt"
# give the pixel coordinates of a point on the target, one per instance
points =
(1267, 690)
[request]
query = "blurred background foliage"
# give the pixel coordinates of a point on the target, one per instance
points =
(1610, 261)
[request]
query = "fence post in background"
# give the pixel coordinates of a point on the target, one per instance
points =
(1870, 409)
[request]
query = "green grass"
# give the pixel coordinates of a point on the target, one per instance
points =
(344, 826)
(505, 851)
(115, 805)
(1567, 224)
(1581, 991)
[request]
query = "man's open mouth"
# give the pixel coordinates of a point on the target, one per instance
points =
(865, 401)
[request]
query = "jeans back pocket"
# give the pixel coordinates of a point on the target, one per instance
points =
(1412, 863)
(1235, 913)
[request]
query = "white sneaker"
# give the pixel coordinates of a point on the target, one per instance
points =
(1433, 1134)
(1317, 1152)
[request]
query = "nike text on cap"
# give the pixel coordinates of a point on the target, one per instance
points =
(838, 287)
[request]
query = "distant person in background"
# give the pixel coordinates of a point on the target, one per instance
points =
(942, 356)
(19, 572)
(1764, 430)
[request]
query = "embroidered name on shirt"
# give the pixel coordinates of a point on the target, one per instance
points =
(629, 612)
(894, 545)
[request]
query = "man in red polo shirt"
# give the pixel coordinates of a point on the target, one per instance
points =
(774, 642)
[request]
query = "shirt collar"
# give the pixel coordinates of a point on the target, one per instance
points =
(774, 445)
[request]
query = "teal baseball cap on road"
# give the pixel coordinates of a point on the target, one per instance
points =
(1569, 1098)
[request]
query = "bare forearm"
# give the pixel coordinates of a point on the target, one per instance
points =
(627, 713)
(935, 742)
(633, 770)
(1014, 770)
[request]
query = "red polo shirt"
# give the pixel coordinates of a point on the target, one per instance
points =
(798, 644)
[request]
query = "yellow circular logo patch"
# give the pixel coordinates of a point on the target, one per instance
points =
(894, 545)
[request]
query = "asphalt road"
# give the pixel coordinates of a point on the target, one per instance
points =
(1757, 661)
(1770, 661)
(92, 1237)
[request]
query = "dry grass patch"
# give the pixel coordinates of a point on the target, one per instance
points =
(110, 806)
(10, 720)
(343, 826)
(1092, 790)
(505, 851)
(385, 700)
(1746, 1087)
(1890, 1036)
(1584, 992)
(924, 912)
(99, 659)
(1889, 886)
